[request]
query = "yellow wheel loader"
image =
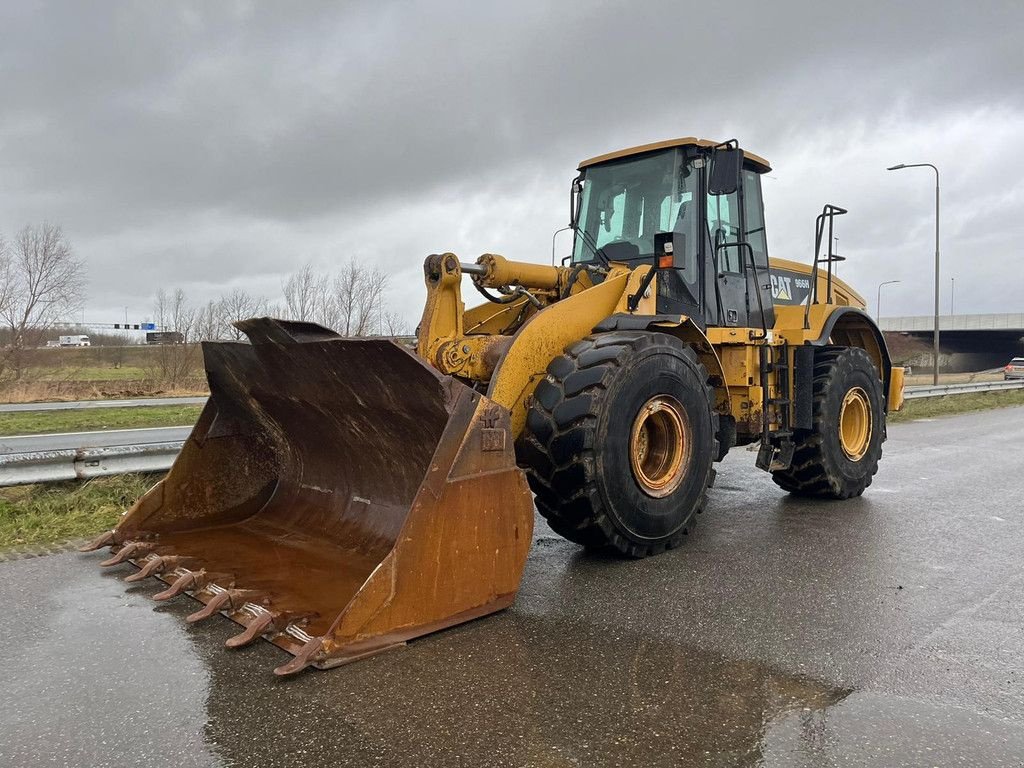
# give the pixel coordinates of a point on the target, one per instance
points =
(341, 496)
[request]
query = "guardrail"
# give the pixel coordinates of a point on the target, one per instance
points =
(86, 463)
(77, 405)
(940, 390)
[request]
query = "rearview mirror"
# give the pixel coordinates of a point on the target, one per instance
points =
(724, 178)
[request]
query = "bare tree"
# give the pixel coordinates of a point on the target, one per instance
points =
(175, 362)
(394, 324)
(351, 301)
(304, 293)
(346, 289)
(358, 296)
(7, 282)
(325, 308)
(207, 322)
(239, 305)
(161, 309)
(42, 282)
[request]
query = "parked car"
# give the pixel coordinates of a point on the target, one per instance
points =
(1014, 369)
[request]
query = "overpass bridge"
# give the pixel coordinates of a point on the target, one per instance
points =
(966, 342)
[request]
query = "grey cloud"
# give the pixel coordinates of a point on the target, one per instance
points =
(221, 143)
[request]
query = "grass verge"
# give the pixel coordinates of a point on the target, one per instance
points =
(92, 419)
(91, 373)
(44, 514)
(930, 407)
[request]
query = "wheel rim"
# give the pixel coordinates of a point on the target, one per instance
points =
(659, 446)
(855, 424)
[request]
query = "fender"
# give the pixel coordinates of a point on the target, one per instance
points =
(853, 327)
(686, 330)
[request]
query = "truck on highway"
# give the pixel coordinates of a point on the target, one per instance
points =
(165, 337)
(77, 340)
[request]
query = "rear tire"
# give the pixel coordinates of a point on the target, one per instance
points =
(838, 457)
(620, 441)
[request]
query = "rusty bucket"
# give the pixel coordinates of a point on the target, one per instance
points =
(337, 497)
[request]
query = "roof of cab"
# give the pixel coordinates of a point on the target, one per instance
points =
(759, 162)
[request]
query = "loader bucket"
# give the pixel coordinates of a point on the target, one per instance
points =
(337, 497)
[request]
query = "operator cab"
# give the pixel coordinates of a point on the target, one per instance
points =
(700, 197)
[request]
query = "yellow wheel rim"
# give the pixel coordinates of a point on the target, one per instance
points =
(855, 424)
(659, 446)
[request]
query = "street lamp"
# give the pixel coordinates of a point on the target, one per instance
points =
(935, 338)
(878, 301)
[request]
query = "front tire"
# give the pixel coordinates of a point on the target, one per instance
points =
(620, 441)
(838, 458)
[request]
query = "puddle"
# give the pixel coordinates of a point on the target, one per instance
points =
(513, 691)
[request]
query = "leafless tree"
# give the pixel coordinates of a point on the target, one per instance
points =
(304, 294)
(6, 277)
(207, 322)
(41, 282)
(358, 295)
(175, 362)
(394, 324)
(351, 301)
(239, 305)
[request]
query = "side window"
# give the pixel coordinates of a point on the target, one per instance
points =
(724, 227)
(610, 210)
(753, 217)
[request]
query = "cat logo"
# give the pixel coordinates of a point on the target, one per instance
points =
(782, 288)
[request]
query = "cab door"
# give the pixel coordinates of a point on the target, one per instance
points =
(760, 309)
(727, 259)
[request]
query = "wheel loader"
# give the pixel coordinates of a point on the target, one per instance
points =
(341, 496)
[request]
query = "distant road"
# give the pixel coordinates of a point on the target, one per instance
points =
(74, 405)
(104, 439)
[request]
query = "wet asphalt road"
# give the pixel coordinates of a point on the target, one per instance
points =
(883, 631)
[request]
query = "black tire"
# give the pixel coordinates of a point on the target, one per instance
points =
(821, 467)
(576, 447)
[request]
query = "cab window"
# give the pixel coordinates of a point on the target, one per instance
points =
(753, 217)
(724, 227)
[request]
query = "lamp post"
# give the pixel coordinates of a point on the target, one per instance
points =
(935, 337)
(952, 294)
(878, 301)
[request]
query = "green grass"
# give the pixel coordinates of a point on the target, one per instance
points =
(45, 514)
(930, 407)
(94, 419)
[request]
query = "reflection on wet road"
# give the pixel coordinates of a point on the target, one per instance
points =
(885, 631)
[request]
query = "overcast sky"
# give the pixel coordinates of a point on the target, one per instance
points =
(210, 145)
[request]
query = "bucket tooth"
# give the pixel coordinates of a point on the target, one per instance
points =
(224, 600)
(307, 655)
(184, 582)
(103, 540)
(129, 550)
(255, 629)
(219, 601)
(154, 565)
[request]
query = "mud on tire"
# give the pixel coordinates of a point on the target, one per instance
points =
(821, 467)
(581, 429)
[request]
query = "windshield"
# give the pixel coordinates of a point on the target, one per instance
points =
(625, 203)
